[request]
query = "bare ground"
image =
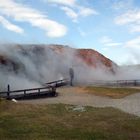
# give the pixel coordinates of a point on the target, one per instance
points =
(71, 95)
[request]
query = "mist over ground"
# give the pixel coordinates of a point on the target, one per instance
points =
(28, 66)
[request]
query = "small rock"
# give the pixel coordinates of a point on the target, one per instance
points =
(14, 100)
(79, 108)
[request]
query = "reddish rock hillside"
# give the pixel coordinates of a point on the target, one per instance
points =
(88, 56)
(93, 58)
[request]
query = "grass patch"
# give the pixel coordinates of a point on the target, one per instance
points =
(60, 122)
(111, 92)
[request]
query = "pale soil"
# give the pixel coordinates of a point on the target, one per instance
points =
(71, 95)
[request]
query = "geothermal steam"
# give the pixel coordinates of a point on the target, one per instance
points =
(31, 66)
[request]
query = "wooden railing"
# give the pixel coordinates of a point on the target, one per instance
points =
(118, 83)
(49, 89)
(58, 83)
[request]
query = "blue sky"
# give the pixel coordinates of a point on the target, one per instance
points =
(111, 27)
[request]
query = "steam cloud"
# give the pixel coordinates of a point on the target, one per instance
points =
(28, 66)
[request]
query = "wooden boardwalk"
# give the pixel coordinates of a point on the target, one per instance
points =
(49, 90)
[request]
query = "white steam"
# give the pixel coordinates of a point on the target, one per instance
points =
(28, 66)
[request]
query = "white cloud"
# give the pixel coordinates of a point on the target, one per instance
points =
(122, 4)
(8, 25)
(63, 2)
(135, 27)
(73, 10)
(130, 18)
(81, 12)
(134, 43)
(84, 11)
(70, 13)
(133, 46)
(82, 33)
(24, 13)
(113, 44)
(105, 49)
(107, 41)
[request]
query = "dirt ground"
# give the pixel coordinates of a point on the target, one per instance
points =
(73, 96)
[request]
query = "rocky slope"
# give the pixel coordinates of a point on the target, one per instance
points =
(94, 58)
(89, 57)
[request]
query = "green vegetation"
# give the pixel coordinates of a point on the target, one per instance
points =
(111, 92)
(61, 122)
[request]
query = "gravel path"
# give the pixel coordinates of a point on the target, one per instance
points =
(67, 95)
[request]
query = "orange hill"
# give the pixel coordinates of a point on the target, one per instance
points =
(89, 57)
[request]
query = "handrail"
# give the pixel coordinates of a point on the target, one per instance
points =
(26, 90)
(117, 82)
(63, 80)
(48, 86)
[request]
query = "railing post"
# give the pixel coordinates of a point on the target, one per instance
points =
(39, 91)
(8, 91)
(135, 82)
(24, 92)
(53, 91)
